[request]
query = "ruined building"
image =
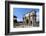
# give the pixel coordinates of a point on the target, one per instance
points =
(30, 18)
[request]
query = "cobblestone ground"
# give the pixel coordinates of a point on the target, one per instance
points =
(21, 25)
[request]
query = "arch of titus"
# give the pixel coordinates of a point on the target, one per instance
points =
(30, 18)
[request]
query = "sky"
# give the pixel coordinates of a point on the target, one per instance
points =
(19, 12)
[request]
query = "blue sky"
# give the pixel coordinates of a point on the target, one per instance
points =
(19, 12)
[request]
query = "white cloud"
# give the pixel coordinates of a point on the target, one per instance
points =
(19, 19)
